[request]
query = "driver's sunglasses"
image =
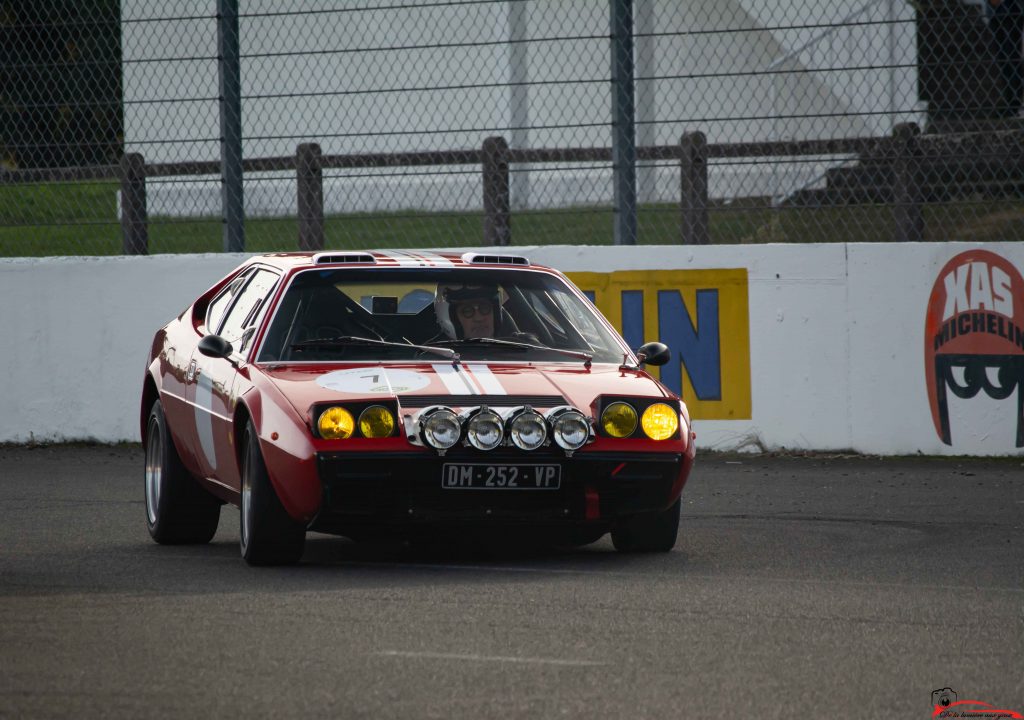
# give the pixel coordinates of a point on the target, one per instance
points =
(468, 310)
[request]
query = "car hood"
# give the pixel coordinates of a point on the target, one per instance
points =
(464, 385)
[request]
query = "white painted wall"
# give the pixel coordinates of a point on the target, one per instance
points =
(76, 332)
(836, 342)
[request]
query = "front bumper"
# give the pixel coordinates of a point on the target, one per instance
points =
(364, 491)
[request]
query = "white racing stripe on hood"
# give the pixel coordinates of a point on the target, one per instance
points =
(467, 378)
(485, 378)
(453, 380)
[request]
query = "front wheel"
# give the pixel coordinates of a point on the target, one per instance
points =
(648, 532)
(269, 536)
(178, 510)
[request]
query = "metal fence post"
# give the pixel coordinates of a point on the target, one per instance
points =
(497, 219)
(693, 176)
(646, 70)
(623, 122)
(134, 220)
(519, 97)
(228, 72)
(309, 182)
(906, 193)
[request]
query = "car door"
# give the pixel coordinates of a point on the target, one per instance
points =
(214, 381)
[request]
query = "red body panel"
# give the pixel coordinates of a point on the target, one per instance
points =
(170, 367)
(580, 386)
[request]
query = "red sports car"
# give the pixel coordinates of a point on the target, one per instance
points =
(406, 393)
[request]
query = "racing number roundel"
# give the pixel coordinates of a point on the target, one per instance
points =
(974, 336)
(373, 379)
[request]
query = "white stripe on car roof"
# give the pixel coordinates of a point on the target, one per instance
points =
(432, 258)
(417, 259)
(404, 258)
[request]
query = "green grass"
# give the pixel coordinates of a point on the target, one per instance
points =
(81, 219)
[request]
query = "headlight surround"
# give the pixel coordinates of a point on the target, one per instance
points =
(660, 421)
(619, 420)
(485, 429)
(440, 428)
(684, 426)
(335, 423)
(570, 429)
(528, 430)
(376, 421)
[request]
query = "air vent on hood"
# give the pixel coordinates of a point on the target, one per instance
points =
(331, 258)
(482, 259)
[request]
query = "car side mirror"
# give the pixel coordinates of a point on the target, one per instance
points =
(214, 346)
(653, 353)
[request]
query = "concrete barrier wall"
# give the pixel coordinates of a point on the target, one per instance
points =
(834, 339)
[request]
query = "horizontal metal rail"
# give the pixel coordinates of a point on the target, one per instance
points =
(781, 148)
(776, 148)
(908, 162)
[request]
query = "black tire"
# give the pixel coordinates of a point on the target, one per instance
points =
(648, 532)
(268, 535)
(178, 509)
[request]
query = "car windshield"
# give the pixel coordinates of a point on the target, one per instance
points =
(429, 313)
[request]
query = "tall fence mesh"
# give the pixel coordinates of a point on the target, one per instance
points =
(390, 123)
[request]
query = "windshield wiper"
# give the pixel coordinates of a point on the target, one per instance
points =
(585, 357)
(343, 340)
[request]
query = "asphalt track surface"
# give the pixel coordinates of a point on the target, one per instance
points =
(800, 587)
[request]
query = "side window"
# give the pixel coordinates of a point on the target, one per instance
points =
(215, 313)
(247, 309)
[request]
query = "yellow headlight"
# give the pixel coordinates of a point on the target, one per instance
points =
(336, 423)
(376, 421)
(660, 422)
(619, 420)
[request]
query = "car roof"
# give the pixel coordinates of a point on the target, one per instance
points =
(396, 258)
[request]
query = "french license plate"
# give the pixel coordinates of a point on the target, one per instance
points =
(487, 476)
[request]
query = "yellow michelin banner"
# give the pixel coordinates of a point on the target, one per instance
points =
(702, 315)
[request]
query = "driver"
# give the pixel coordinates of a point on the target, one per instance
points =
(468, 311)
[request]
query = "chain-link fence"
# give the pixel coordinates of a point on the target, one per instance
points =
(205, 125)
